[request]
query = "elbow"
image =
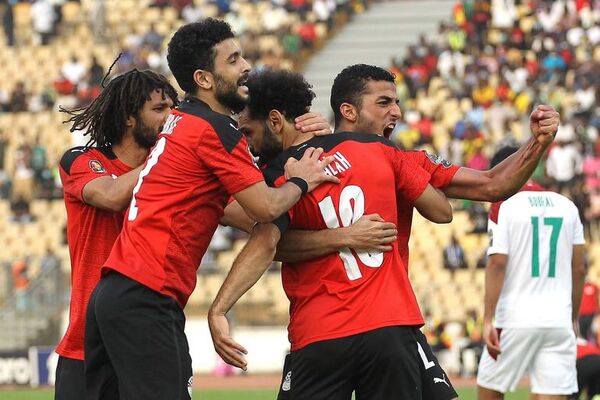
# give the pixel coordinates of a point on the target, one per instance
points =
(269, 236)
(444, 215)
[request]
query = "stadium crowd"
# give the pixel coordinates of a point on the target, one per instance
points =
(465, 91)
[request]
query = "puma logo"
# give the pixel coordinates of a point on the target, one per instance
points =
(441, 380)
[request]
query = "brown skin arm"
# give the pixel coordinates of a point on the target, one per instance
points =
(495, 272)
(111, 194)
(578, 279)
(506, 178)
(370, 233)
(248, 267)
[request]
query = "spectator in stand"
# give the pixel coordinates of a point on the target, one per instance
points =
(589, 307)
(564, 159)
(73, 70)
(43, 18)
(152, 39)
(20, 283)
(20, 211)
(18, 98)
(454, 256)
(8, 22)
(38, 160)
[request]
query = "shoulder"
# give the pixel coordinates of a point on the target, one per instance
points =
(94, 157)
(225, 127)
(71, 155)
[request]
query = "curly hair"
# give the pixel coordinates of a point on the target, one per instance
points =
(350, 85)
(104, 120)
(285, 91)
(502, 154)
(192, 47)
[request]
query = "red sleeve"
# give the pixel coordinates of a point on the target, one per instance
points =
(441, 171)
(411, 179)
(235, 169)
(79, 172)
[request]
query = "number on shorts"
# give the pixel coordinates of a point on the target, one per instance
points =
(152, 160)
(556, 224)
(351, 207)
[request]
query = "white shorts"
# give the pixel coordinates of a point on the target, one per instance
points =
(548, 355)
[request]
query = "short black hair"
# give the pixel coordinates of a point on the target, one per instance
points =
(502, 154)
(285, 91)
(192, 47)
(350, 85)
(104, 120)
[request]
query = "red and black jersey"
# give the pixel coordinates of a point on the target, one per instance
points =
(441, 172)
(199, 160)
(91, 233)
(350, 292)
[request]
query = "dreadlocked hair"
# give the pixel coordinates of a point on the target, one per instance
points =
(105, 118)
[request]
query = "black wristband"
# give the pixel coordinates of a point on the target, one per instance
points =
(301, 183)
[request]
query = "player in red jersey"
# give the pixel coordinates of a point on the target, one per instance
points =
(348, 309)
(135, 323)
(123, 123)
(364, 99)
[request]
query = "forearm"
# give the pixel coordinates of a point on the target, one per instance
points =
(298, 245)
(578, 279)
(502, 181)
(111, 194)
(280, 200)
(494, 280)
(248, 267)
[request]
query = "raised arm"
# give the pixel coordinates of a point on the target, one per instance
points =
(111, 194)
(248, 267)
(370, 233)
(264, 204)
(509, 176)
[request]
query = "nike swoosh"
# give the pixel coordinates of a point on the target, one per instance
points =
(233, 126)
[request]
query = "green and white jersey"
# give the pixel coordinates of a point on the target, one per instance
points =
(537, 230)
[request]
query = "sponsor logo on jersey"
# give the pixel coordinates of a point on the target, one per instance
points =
(96, 166)
(441, 380)
(434, 158)
(287, 382)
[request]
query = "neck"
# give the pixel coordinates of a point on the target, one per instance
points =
(213, 103)
(293, 137)
(129, 152)
(345, 126)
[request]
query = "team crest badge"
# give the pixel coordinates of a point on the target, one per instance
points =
(96, 166)
(438, 160)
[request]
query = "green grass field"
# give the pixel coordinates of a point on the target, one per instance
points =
(465, 394)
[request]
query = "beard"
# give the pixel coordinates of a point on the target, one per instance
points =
(271, 146)
(144, 135)
(227, 94)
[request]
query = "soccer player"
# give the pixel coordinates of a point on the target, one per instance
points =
(135, 323)
(533, 284)
(363, 99)
(123, 123)
(353, 313)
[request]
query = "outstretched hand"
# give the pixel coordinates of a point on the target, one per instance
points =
(230, 351)
(543, 122)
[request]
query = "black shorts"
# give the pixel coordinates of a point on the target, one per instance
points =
(70, 380)
(434, 381)
(381, 364)
(135, 344)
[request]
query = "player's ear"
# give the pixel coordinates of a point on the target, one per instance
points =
(130, 121)
(276, 121)
(349, 112)
(204, 79)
